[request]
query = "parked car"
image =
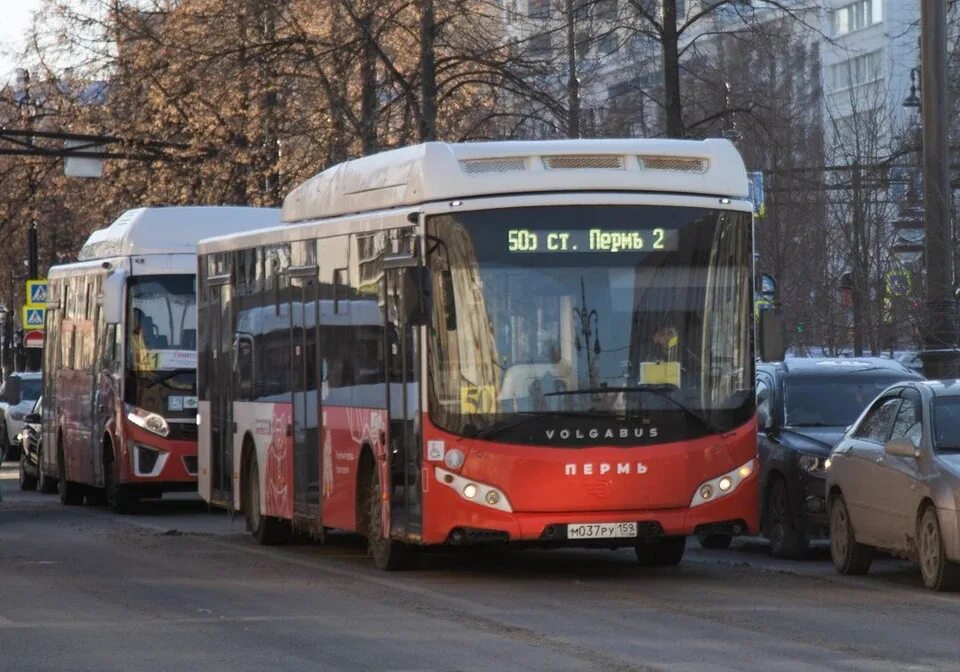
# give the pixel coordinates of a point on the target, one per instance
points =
(803, 407)
(29, 440)
(894, 483)
(18, 394)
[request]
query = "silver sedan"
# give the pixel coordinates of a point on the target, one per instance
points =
(893, 483)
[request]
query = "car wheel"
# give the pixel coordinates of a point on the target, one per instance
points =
(715, 541)
(786, 541)
(45, 484)
(71, 494)
(664, 552)
(27, 481)
(937, 571)
(848, 556)
(267, 530)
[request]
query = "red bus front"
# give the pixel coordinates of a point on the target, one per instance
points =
(589, 376)
(154, 429)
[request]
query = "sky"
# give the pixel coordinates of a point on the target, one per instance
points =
(15, 18)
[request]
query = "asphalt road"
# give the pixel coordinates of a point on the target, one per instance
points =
(178, 588)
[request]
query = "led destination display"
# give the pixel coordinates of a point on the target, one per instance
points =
(591, 240)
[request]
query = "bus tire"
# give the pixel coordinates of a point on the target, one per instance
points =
(71, 494)
(267, 530)
(117, 496)
(663, 552)
(389, 555)
(45, 484)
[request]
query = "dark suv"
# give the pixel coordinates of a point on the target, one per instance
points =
(803, 408)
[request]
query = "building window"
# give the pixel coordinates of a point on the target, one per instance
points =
(855, 71)
(538, 9)
(607, 45)
(540, 46)
(857, 15)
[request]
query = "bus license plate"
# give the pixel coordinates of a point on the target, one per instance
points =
(601, 530)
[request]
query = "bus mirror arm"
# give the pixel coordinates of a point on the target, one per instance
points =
(113, 299)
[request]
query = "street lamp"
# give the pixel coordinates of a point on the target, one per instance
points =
(913, 100)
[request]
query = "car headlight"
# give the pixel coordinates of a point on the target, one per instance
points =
(17, 415)
(813, 464)
(474, 491)
(148, 421)
(722, 485)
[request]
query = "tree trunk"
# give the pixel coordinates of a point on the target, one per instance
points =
(428, 73)
(858, 270)
(669, 44)
(368, 84)
(573, 81)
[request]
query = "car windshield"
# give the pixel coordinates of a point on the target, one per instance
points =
(29, 389)
(946, 424)
(543, 314)
(831, 401)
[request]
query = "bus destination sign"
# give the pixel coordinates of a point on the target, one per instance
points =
(591, 240)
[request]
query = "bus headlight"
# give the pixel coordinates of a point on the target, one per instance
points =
(722, 485)
(148, 421)
(473, 491)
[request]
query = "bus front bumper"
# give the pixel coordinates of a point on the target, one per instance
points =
(464, 523)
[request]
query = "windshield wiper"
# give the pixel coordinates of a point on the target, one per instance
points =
(496, 428)
(661, 390)
(164, 377)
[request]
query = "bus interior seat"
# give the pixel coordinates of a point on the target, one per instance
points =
(188, 339)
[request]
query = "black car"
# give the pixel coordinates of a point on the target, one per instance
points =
(803, 408)
(29, 438)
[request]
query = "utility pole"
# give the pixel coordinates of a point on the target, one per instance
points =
(940, 359)
(573, 80)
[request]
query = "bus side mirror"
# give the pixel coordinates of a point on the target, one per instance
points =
(772, 342)
(416, 296)
(113, 299)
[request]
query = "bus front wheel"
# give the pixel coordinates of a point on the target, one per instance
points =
(388, 554)
(664, 552)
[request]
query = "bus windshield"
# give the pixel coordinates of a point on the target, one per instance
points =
(611, 319)
(162, 323)
(162, 345)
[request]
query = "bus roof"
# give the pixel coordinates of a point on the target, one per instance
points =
(437, 171)
(172, 230)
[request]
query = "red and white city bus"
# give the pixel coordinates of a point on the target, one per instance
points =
(515, 343)
(120, 357)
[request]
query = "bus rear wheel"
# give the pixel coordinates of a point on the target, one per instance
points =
(267, 530)
(664, 552)
(388, 554)
(71, 494)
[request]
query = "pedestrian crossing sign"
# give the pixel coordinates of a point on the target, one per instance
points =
(37, 292)
(33, 317)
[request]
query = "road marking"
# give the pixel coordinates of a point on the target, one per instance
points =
(6, 621)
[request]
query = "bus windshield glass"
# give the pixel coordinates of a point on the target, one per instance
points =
(162, 344)
(607, 322)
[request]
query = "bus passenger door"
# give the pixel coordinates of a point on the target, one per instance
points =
(307, 465)
(402, 357)
(220, 392)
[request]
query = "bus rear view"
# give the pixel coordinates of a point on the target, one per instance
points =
(522, 343)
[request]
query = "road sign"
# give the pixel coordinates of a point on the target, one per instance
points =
(756, 193)
(33, 339)
(33, 317)
(37, 292)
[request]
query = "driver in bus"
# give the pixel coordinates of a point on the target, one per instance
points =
(665, 346)
(139, 352)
